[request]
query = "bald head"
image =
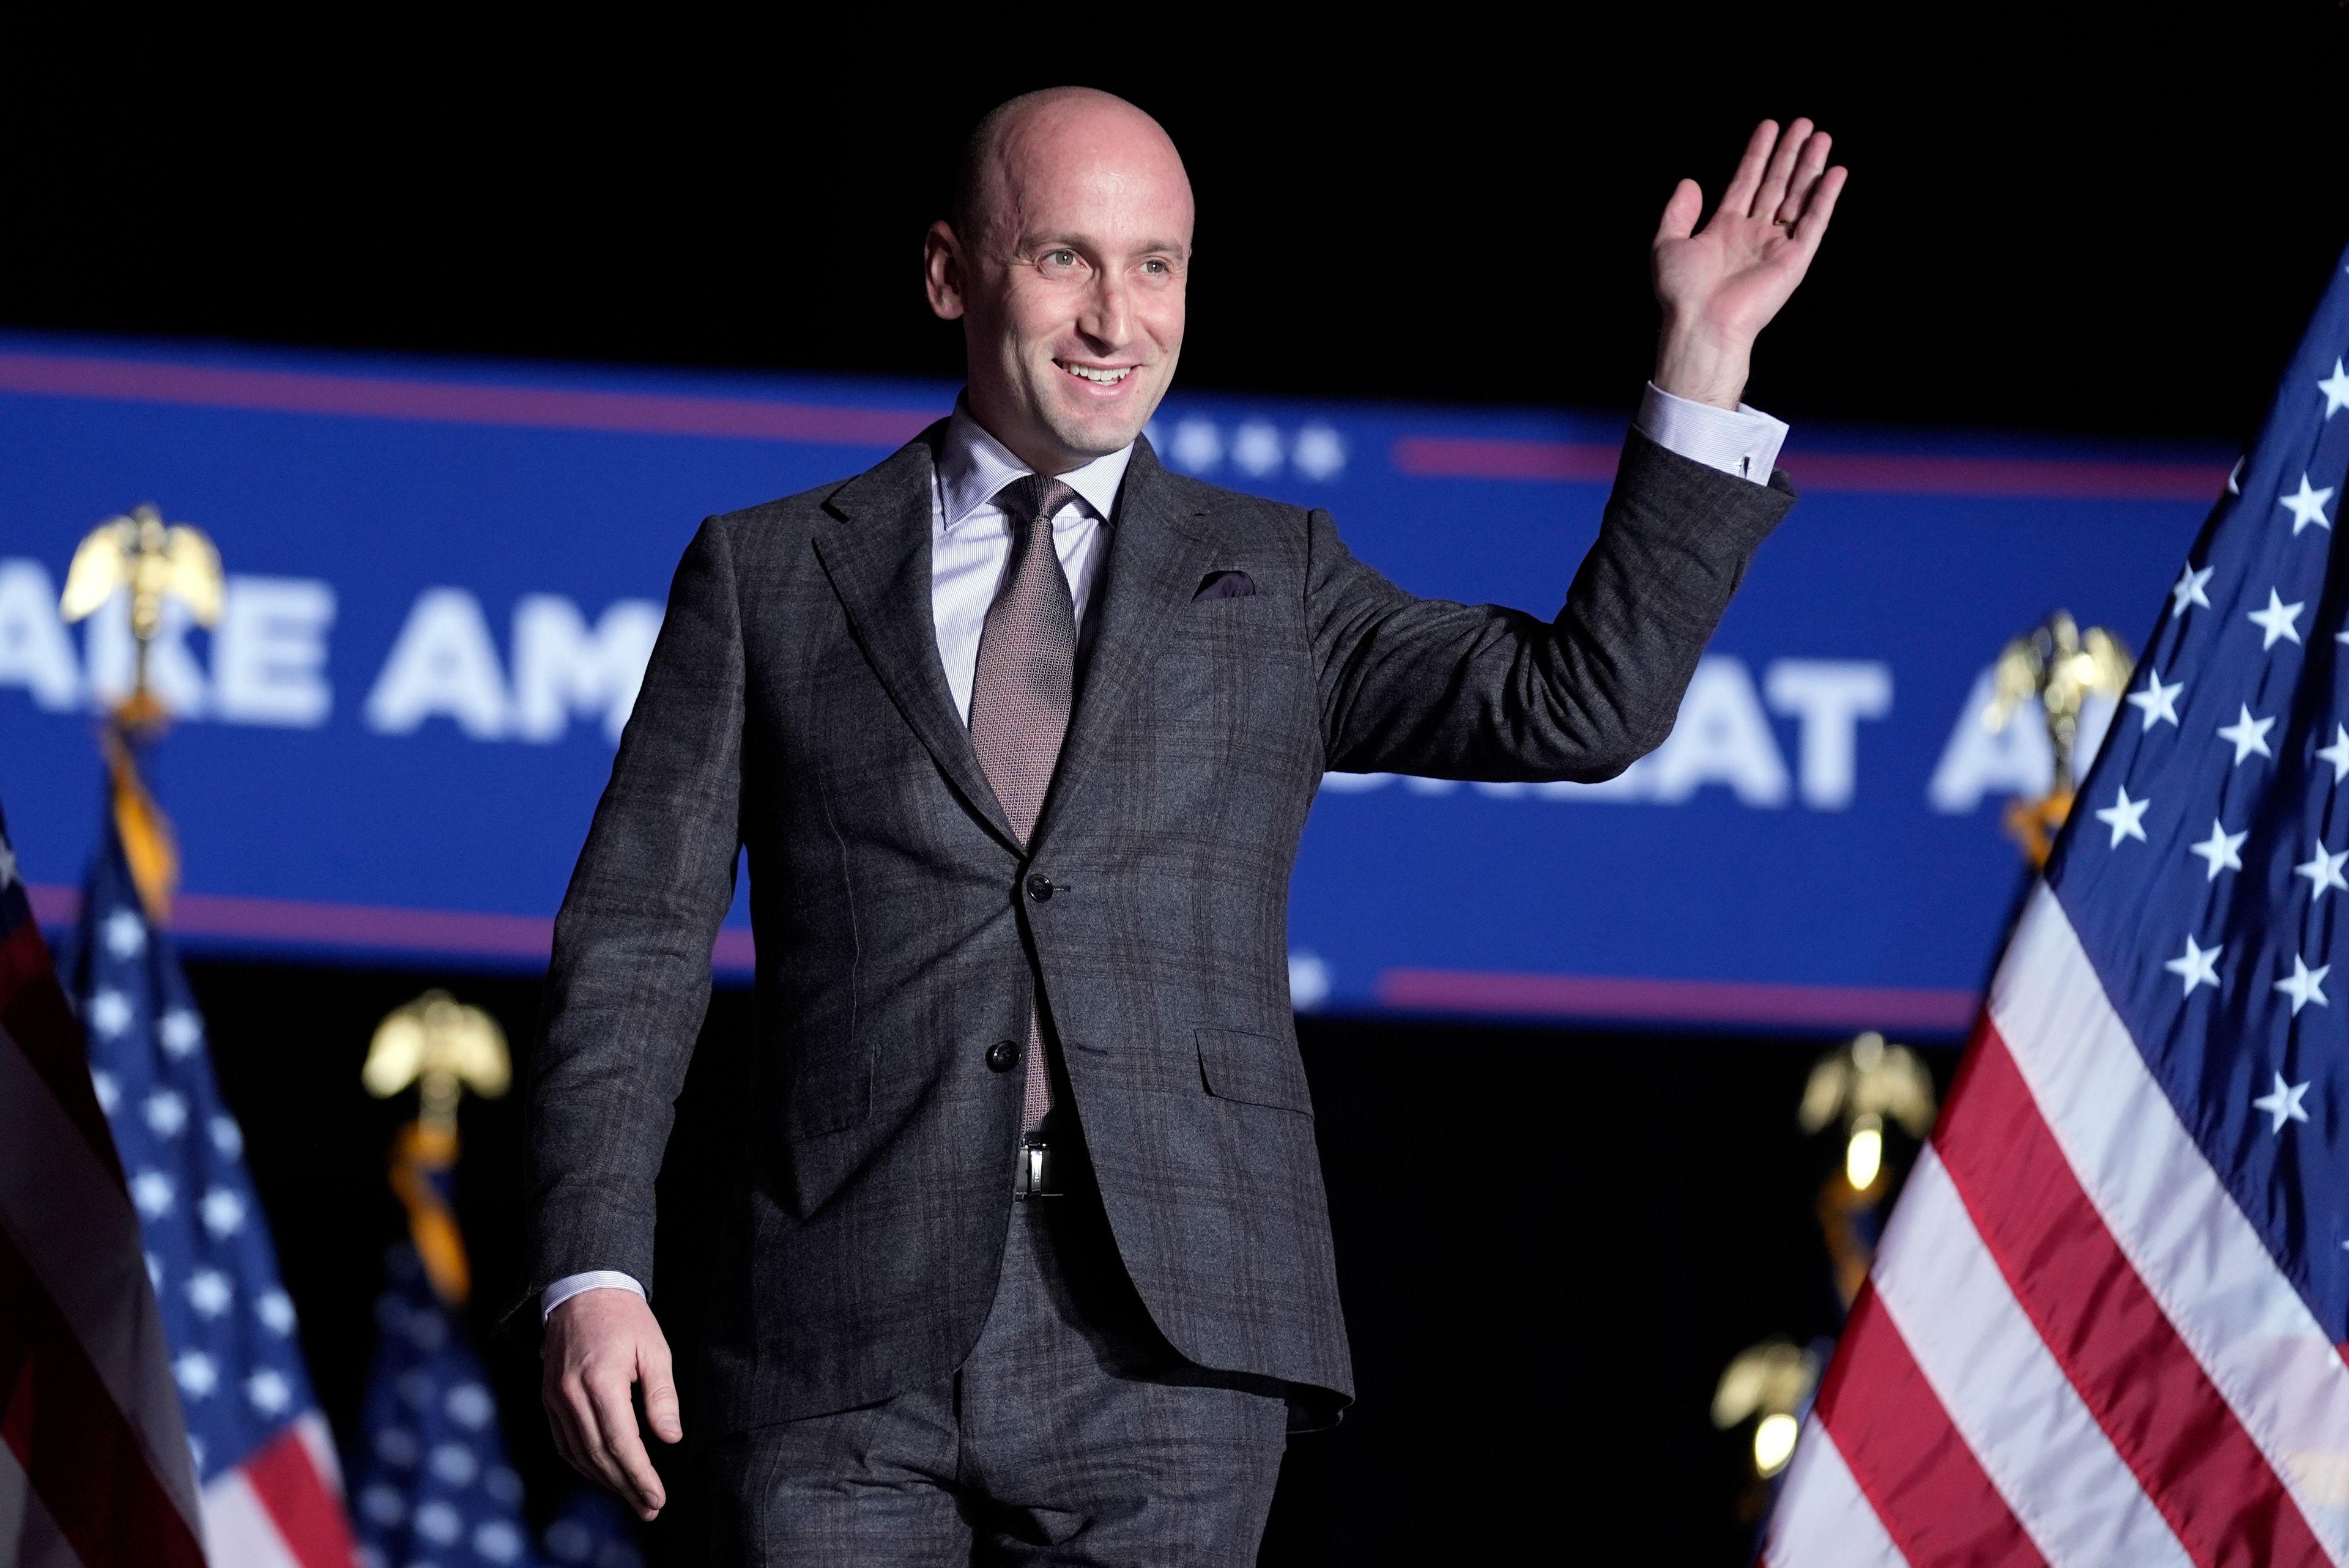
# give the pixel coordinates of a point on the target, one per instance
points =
(1065, 259)
(1018, 139)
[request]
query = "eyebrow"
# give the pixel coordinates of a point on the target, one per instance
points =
(1085, 242)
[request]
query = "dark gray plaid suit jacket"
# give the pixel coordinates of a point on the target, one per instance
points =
(796, 706)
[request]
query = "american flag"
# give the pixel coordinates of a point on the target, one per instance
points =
(433, 1485)
(93, 1468)
(2106, 1324)
(263, 1459)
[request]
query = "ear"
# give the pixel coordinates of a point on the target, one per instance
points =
(941, 271)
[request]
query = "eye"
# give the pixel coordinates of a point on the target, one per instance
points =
(1060, 258)
(1156, 266)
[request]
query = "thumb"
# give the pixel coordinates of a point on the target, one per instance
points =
(1680, 213)
(660, 1391)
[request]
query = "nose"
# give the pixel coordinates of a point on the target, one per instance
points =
(1107, 320)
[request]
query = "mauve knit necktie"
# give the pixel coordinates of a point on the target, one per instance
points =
(1023, 687)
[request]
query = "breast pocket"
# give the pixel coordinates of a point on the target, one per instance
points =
(1253, 1068)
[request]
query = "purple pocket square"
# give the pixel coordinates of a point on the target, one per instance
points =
(1226, 585)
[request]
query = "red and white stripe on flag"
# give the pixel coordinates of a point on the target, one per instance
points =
(282, 1508)
(94, 1469)
(2074, 1348)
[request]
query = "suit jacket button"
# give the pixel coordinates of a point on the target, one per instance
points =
(1040, 887)
(1002, 1055)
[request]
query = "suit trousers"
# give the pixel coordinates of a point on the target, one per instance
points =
(1073, 1434)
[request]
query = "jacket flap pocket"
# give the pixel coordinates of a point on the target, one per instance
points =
(1254, 1068)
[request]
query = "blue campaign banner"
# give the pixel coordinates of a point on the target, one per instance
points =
(444, 578)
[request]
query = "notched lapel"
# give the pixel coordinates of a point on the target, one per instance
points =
(1155, 564)
(877, 554)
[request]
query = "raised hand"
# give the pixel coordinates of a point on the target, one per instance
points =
(1719, 287)
(600, 1346)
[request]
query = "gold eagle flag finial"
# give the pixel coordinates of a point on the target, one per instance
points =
(2060, 667)
(156, 563)
(444, 1048)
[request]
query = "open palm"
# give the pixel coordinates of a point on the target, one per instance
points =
(1719, 287)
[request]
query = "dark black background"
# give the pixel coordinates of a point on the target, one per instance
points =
(2102, 224)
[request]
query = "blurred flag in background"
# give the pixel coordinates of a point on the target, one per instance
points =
(95, 1467)
(264, 1458)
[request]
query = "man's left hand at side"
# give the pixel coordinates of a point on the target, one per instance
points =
(1719, 287)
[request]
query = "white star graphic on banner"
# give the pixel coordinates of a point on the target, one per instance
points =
(2305, 985)
(2276, 620)
(268, 1391)
(2157, 702)
(2197, 967)
(7, 864)
(2220, 848)
(2235, 476)
(2189, 589)
(2337, 753)
(2248, 734)
(2283, 1103)
(2124, 817)
(2335, 388)
(2324, 871)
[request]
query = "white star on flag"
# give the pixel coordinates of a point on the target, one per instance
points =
(222, 1212)
(2337, 753)
(2275, 622)
(209, 1292)
(7, 865)
(2307, 506)
(2220, 848)
(2335, 388)
(2126, 816)
(2248, 734)
(2197, 966)
(196, 1373)
(2189, 590)
(2305, 985)
(109, 1013)
(2157, 702)
(126, 935)
(2282, 1102)
(2324, 871)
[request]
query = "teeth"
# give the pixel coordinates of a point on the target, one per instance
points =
(1099, 378)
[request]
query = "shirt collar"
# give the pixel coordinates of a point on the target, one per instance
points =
(973, 465)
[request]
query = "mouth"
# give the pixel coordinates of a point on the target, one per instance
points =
(1098, 375)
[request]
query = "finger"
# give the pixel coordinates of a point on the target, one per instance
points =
(588, 1440)
(1812, 164)
(1680, 213)
(1739, 197)
(1820, 208)
(1781, 168)
(660, 1393)
(563, 1426)
(615, 1416)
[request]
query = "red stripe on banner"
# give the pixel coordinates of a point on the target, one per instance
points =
(33, 1011)
(1858, 473)
(1910, 1463)
(74, 1442)
(1677, 1001)
(306, 1514)
(458, 402)
(2170, 1425)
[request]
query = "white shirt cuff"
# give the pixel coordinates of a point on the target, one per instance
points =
(1744, 443)
(569, 1285)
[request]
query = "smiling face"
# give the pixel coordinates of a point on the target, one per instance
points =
(1068, 281)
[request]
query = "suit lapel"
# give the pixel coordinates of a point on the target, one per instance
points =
(877, 554)
(1154, 567)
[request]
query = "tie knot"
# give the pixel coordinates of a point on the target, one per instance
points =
(1033, 496)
